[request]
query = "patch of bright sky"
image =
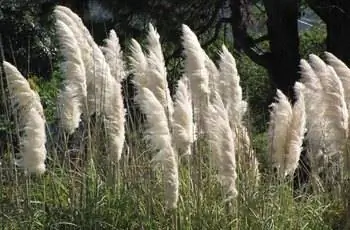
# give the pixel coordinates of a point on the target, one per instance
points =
(98, 13)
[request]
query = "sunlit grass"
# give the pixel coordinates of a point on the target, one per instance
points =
(88, 196)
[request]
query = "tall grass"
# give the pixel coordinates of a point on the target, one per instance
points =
(81, 198)
(78, 190)
(85, 196)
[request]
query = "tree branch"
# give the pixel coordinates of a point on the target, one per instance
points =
(218, 27)
(214, 17)
(243, 41)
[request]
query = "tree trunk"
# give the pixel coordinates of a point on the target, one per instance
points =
(284, 43)
(338, 34)
(282, 61)
(336, 16)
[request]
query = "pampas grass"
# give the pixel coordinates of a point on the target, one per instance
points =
(236, 107)
(114, 56)
(154, 99)
(32, 121)
(115, 112)
(286, 131)
(315, 121)
(296, 131)
(336, 113)
(281, 116)
(214, 76)
(196, 71)
(156, 72)
(72, 99)
(183, 126)
(75, 24)
(158, 134)
(222, 143)
(104, 91)
(230, 86)
(343, 73)
(139, 65)
(149, 70)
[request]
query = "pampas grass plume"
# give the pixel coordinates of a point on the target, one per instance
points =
(32, 121)
(281, 115)
(183, 118)
(160, 138)
(222, 144)
(72, 98)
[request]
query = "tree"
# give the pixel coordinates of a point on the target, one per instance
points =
(335, 14)
(282, 60)
(207, 18)
(27, 37)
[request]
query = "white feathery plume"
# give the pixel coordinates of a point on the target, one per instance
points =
(245, 154)
(159, 136)
(231, 87)
(114, 56)
(139, 65)
(96, 67)
(343, 73)
(296, 132)
(76, 21)
(114, 118)
(281, 116)
(214, 76)
(75, 24)
(183, 126)
(73, 97)
(314, 107)
(222, 144)
(104, 92)
(198, 75)
(236, 108)
(195, 68)
(156, 72)
(336, 114)
(106, 97)
(32, 121)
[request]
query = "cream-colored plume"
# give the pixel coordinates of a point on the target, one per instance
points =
(296, 132)
(230, 86)
(281, 116)
(106, 97)
(214, 76)
(315, 108)
(286, 131)
(236, 107)
(114, 118)
(75, 24)
(156, 72)
(197, 73)
(343, 73)
(104, 91)
(139, 65)
(114, 56)
(336, 113)
(96, 67)
(159, 136)
(72, 98)
(195, 68)
(31, 120)
(222, 144)
(245, 154)
(183, 127)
